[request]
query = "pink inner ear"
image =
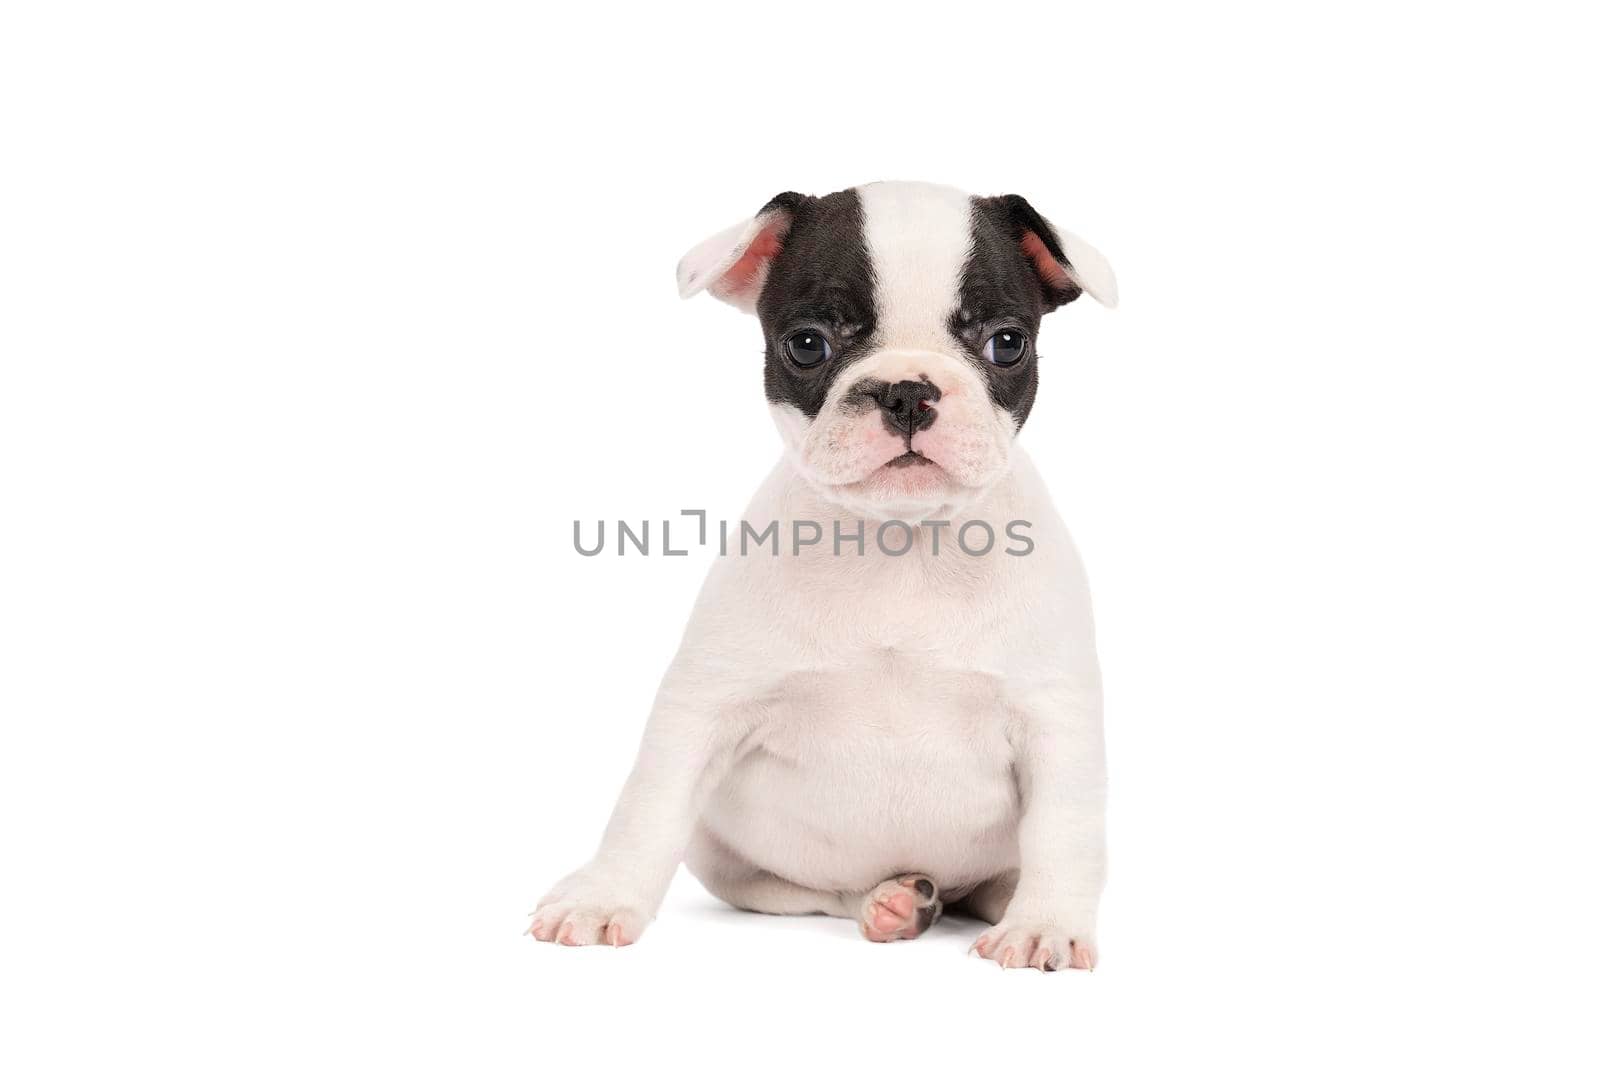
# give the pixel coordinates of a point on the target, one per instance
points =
(748, 269)
(1053, 273)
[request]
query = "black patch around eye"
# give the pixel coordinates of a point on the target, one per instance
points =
(821, 278)
(999, 285)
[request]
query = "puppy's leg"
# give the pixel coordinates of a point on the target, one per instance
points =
(1049, 921)
(687, 746)
(894, 910)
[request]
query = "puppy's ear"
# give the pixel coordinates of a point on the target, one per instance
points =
(1067, 265)
(733, 264)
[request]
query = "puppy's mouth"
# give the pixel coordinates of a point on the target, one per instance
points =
(910, 459)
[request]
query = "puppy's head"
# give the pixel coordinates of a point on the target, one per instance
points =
(900, 322)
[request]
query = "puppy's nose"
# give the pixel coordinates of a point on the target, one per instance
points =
(907, 405)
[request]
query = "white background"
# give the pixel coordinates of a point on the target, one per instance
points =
(320, 324)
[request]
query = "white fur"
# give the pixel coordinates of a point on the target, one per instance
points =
(1091, 270)
(919, 236)
(831, 722)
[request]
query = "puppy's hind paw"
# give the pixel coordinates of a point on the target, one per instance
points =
(900, 909)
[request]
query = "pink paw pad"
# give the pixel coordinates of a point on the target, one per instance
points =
(900, 909)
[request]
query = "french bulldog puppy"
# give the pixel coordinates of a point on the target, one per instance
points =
(882, 725)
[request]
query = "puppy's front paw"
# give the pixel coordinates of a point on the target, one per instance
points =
(582, 911)
(1045, 945)
(900, 908)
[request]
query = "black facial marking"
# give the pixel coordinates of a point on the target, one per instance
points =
(821, 279)
(924, 887)
(1000, 288)
(821, 282)
(863, 396)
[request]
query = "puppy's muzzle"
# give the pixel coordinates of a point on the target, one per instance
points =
(907, 406)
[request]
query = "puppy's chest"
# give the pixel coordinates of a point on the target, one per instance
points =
(887, 700)
(887, 654)
(896, 616)
(890, 671)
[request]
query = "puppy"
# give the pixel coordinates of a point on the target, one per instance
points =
(885, 722)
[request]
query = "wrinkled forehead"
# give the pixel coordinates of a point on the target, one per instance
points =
(900, 259)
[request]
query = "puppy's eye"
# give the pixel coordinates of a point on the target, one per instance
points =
(807, 348)
(1006, 347)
